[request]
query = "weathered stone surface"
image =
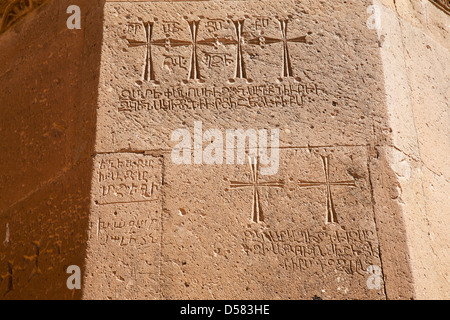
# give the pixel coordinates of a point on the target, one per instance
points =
(48, 96)
(415, 54)
(239, 73)
(125, 228)
(227, 230)
(13, 11)
(443, 5)
(271, 237)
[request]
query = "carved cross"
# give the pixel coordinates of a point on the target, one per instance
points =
(194, 70)
(194, 73)
(34, 259)
(149, 73)
(255, 184)
(331, 216)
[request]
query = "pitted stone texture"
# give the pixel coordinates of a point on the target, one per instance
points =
(230, 232)
(125, 228)
(238, 64)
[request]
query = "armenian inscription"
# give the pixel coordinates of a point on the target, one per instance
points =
(125, 223)
(127, 179)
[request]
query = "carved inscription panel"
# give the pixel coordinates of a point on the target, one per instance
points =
(308, 230)
(235, 64)
(125, 227)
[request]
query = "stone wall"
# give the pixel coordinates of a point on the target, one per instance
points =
(415, 43)
(88, 178)
(49, 78)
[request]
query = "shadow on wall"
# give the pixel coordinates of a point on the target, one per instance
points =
(48, 98)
